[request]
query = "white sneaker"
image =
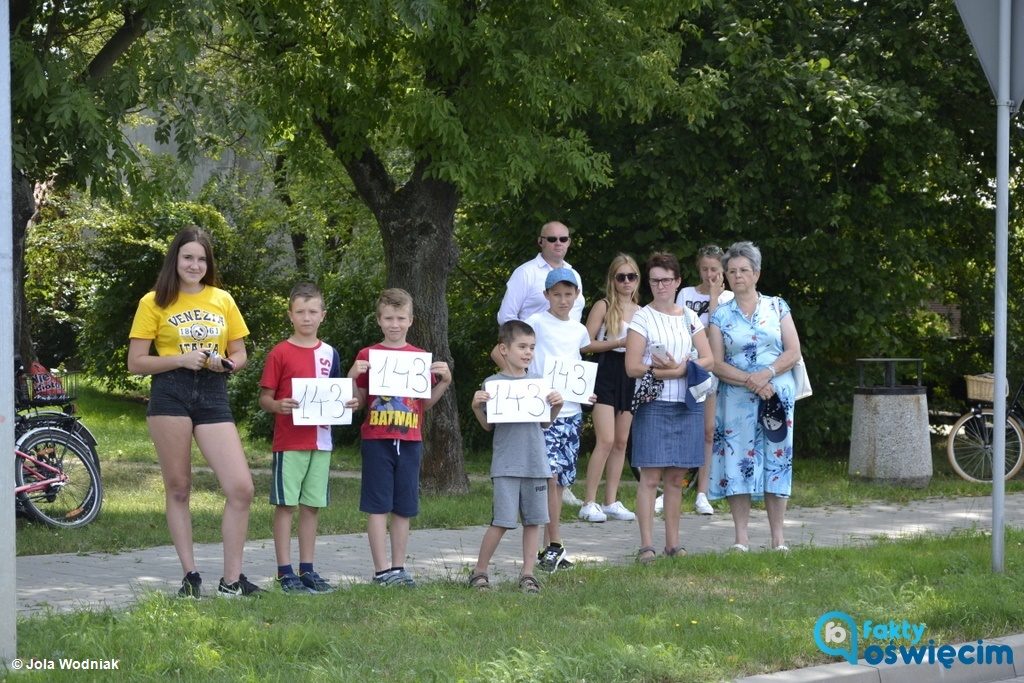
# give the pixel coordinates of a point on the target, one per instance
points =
(702, 506)
(592, 513)
(569, 498)
(618, 511)
(659, 504)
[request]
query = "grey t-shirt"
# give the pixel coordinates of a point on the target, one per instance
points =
(519, 449)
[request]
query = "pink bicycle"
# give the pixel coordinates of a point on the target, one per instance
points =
(56, 481)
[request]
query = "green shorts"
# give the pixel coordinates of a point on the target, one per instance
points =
(301, 478)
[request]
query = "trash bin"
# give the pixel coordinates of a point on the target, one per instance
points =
(890, 442)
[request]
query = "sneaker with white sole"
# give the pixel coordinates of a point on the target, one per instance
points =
(659, 505)
(702, 506)
(592, 513)
(569, 498)
(550, 558)
(618, 512)
(241, 588)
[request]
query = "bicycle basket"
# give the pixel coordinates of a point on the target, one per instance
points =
(48, 389)
(982, 387)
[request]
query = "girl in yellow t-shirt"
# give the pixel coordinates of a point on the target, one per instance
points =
(199, 336)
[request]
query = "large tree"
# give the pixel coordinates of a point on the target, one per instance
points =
(427, 104)
(78, 71)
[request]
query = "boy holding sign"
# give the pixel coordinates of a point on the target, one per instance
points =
(391, 437)
(559, 336)
(302, 452)
(519, 465)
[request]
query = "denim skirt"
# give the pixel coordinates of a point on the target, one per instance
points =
(668, 434)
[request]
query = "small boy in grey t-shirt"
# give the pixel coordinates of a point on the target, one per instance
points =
(519, 464)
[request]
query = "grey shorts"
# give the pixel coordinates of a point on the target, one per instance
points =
(516, 497)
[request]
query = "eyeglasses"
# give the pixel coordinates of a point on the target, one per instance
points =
(661, 281)
(626, 277)
(733, 272)
(563, 239)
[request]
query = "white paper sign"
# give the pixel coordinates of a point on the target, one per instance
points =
(517, 400)
(322, 400)
(400, 373)
(573, 379)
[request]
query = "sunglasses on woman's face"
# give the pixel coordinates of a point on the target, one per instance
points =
(563, 239)
(626, 277)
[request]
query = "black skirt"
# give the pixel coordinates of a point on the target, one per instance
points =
(613, 386)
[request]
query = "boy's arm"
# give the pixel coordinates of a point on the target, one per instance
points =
(555, 400)
(267, 402)
(444, 378)
(496, 357)
(480, 399)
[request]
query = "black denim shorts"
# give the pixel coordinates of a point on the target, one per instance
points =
(201, 395)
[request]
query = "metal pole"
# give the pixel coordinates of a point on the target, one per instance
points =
(1003, 109)
(8, 565)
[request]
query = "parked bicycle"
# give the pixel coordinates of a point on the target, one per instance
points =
(55, 479)
(54, 409)
(969, 445)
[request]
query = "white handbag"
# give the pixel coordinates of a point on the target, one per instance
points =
(802, 381)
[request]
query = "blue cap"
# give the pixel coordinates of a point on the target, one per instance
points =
(772, 415)
(560, 275)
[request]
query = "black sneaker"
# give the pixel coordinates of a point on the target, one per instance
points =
(291, 584)
(564, 564)
(190, 586)
(315, 583)
(550, 558)
(240, 588)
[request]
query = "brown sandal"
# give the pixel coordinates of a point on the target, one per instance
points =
(479, 581)
(529, 584)
(677, 551)
(646, 555)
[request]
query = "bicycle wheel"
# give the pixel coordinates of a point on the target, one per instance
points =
(71, 503)
(969, 446)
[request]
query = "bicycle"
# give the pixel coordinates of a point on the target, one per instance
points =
(34, 410)
(56, 481)
(969, 445)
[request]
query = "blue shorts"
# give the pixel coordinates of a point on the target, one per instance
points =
(200, 395)
(562, 441)
(391, 477)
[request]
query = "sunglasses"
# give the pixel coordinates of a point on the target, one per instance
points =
(563, 239)
(626, 277)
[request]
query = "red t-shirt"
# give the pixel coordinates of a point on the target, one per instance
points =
(391, 417)
(285, 361)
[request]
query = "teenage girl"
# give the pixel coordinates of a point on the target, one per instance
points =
(607, 324)
(199, 335)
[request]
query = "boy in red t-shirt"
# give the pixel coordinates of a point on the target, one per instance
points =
(392, 444)
(302, 453)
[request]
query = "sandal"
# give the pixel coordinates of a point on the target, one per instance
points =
(676, 551)
(528, 584)
(646, 554)
(479, 581)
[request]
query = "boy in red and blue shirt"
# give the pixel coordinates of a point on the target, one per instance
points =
(302, 453)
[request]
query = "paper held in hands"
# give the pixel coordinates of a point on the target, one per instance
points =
(573, 379)
(322, 400)
(400, 373)
(517, 400)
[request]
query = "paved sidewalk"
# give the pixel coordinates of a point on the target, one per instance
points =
(97, 580)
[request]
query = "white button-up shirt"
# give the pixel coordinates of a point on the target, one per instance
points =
(524, 293)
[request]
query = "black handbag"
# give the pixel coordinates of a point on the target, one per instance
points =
(648, 388)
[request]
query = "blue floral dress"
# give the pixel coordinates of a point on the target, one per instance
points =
(743, 460)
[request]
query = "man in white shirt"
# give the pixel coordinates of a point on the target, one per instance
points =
(524, 293)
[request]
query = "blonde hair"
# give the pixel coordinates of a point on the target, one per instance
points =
(613, 316)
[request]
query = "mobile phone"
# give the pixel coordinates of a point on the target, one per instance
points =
(658, 351)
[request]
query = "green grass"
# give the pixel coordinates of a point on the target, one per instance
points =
(706, 618)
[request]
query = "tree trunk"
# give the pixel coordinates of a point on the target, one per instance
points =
(417, 224)
(23, 209)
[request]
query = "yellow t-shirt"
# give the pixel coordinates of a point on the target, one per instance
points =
(206, 320)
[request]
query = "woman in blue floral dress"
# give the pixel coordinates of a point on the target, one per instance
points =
(755, 344)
